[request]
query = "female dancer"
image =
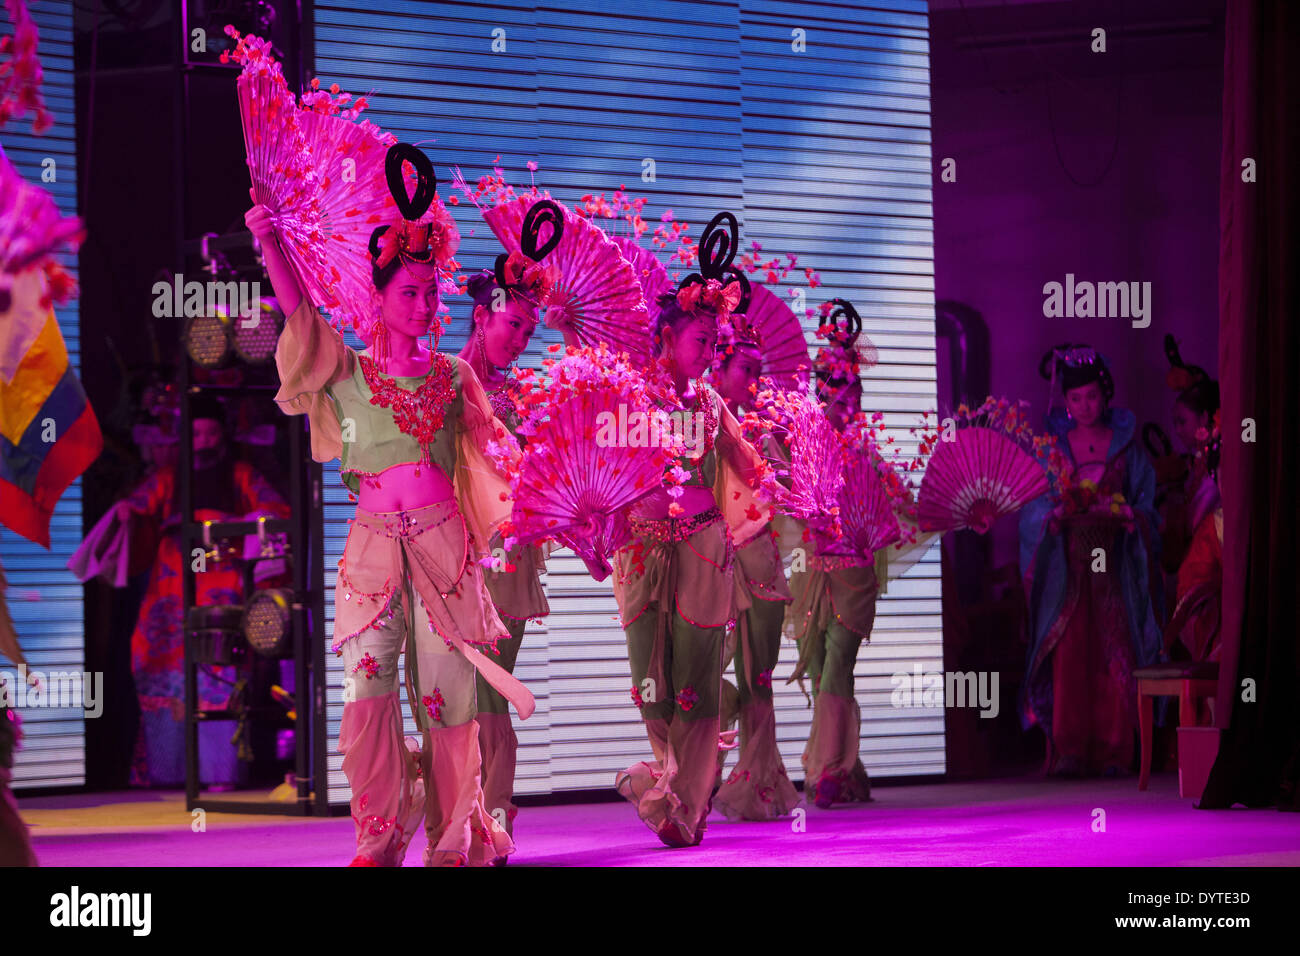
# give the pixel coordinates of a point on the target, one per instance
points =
(409, 424)
(506, 301)
(674, 584)
(834, 606)
(758, 789)
(1089, 630)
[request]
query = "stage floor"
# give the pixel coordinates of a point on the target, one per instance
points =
(1023, 822)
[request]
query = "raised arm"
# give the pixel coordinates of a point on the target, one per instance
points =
(311, 355)
(288, 290)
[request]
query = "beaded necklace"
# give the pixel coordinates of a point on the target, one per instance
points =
(420, 413)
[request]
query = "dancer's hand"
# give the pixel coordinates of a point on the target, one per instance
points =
(258, 221)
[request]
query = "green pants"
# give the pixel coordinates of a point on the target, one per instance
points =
(692, 666)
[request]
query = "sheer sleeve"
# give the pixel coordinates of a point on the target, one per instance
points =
(311, 356)
(740, 469)
(481, 490)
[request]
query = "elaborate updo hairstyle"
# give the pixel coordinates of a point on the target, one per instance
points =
(717, 291)
(1075, 365)
(847, 350)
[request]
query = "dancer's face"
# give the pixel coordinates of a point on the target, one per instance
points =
(410, 303)
(739, 374)
(1085, 404)
(690, 346)
(1186, 423)
(506, 331)
(842, 402)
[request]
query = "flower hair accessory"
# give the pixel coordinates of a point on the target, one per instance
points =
(521, 272)
(719, 285)
(426, 238)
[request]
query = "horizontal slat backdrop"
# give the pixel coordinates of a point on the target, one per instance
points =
(44, 598)
(824, 153)
(837, 170)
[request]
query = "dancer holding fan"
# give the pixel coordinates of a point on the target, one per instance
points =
(506, 301)
(835, 598)
(751, 350)
(1089, 630)
(675, 582)
(409, 424)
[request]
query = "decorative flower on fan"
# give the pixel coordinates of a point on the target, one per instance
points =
(21, 75)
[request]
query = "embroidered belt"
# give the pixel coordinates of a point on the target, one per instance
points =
(673, 530)
(833, 562)
(407, 524)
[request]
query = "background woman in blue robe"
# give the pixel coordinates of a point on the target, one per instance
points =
(1090, 629)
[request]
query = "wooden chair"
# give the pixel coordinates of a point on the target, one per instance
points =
(1189, 681)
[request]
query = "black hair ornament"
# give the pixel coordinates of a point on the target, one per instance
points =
(718, 245)
(542, 213)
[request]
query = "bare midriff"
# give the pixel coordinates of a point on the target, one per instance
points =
(404, 487)
(694, 500)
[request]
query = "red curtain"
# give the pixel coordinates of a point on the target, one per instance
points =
(1259, 371)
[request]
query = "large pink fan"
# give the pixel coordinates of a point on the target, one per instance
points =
(986, 469)
(813, 476)
(650, 272)
(21, 72)
(31, 226)
(281, 167)
(598, 293)
(573, 483)
(352, 199)
(866, 519)
(780, 338)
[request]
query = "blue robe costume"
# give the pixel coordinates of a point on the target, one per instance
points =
(1133, 558)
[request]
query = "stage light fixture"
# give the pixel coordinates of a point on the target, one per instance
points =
(267, 622)
(207, 339)
(215, 634)
(255, 342)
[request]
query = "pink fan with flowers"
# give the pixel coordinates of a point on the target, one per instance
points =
(775, 330)
(868, 500)
(352, 194)
(990, 466)
(32, 229)
(574, 479)
(650, 272)
(812, 479)
(597, 293)
(281, 166)
(20, 71)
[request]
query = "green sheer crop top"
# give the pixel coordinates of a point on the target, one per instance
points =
(372, 442)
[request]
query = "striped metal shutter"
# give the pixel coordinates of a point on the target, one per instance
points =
(837, 171)
(825, 154)
(44, 598)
